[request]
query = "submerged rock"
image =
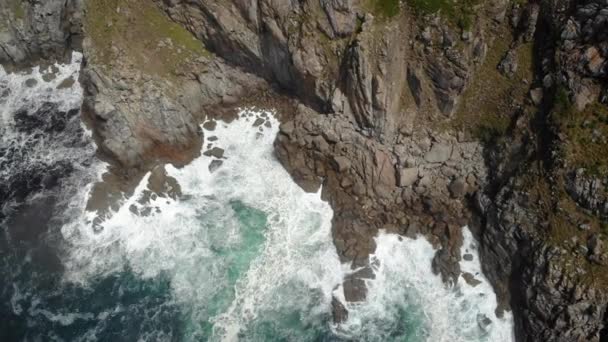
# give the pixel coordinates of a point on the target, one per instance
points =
(215, 152)
(386, 155)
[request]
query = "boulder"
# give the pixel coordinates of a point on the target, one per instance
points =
(439, 153)
(408, 176)
(339, 312)
(215, 152)
(470, 279)
(458, 188)
(536, 95)
(384, 169)
(341, 163)
(508, 65)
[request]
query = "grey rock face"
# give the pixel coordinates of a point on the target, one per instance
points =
(439, 153)
(359, 87)
(544, 289)
(139, 123)
(508, 65)
(258, 37)
(341, 16)
(408, 176)
(449, 82)
(522, 259)
(589, 192)
(414, 83)
(40, 29)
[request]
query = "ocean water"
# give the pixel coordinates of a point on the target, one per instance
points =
(235, 251)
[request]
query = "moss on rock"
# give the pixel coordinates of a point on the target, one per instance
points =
(16, 7)
(387, 8)
(486, 105)
(584, 135)
(139, 33)
(458, 12)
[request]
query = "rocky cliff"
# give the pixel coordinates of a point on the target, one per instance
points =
(33, 30)
(416, 116)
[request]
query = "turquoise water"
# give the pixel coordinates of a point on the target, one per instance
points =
(243, 254)
(123, 306)
(247, 254)
(237, 258)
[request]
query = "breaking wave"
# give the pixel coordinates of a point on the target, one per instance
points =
(227, 248)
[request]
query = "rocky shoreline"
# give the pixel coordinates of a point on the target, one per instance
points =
(489, 114)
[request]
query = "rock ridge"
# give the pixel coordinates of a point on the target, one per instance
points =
(414, 122)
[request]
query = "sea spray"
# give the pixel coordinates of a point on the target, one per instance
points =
(241, 254)
(43, 142)
(280, 287)
(248, 256)
(30, 89)
(47, 158)
(407, 302)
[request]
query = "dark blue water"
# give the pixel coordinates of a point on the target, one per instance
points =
(45, 157)
(243, 254)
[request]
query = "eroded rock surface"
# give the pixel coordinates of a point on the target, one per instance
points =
(30, 30)
(418, 123)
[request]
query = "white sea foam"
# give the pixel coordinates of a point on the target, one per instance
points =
(180, 238)
(28, 89)
(52, 144)
(296, 269)
(405, 294)
(33, 150)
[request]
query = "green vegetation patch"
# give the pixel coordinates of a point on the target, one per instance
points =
(386, 8)
(459, 12)
(141, 33)
(16, 7)
(486, 106)
(585, 134)
(562, 218)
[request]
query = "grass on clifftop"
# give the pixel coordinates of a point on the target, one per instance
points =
(487, 104)
(459, 12)
(561, 227)
(386, 8)
(12, 6)
(139, 33)
(17, 9)
(584, 134)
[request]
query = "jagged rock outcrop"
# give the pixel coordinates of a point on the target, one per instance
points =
(583, 48)
(544, 212)
(542, 280)
(379, 122)
(139, 118)
(39, 29)
(144, 121)
(589, 192)
(365, 182)
(146, 110)
(273, 39)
